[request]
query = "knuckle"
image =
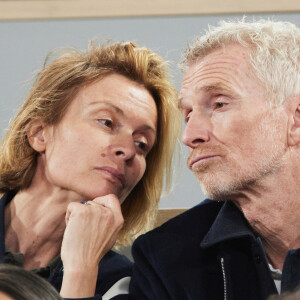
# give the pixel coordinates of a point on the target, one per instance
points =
(71, 206)
(106, 199)
(120, 222)
(106, 214)
(111, 196)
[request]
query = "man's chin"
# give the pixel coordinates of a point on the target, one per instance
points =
(214, 194)
(226, 190)
(217, 192)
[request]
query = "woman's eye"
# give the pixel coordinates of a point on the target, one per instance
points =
(106, 122)
(141, 145)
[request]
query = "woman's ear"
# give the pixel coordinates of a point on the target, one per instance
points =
(36, 136)
(294, 126)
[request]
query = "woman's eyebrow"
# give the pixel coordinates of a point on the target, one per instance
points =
(120, 111)
(147, 128)
(114, 107)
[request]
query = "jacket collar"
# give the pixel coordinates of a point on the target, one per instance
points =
(230, 223)
(7, 197)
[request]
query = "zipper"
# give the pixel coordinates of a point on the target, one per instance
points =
(224, 278)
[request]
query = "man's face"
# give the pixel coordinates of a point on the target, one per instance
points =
(235, 137)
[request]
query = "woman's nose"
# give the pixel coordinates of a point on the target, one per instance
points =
(125, 150)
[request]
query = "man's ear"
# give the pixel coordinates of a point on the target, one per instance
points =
(36, 136)
(294, 124)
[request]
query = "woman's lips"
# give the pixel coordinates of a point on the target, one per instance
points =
(114, 173)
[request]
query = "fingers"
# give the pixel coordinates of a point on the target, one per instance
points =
(72, 207)
(92, 230)
(67, 217)
(111, 202)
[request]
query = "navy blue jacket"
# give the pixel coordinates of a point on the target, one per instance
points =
(112, 267)
(209, 252)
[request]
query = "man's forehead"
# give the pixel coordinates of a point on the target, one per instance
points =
(216, 70)
(234, 53)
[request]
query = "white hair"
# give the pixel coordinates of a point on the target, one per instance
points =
(274, 53)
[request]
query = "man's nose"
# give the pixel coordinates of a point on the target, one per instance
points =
(196, 131)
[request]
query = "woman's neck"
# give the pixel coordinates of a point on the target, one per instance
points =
(35, 222)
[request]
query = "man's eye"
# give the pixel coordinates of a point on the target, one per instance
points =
(186, 117)
(219, 104)
(106, 122)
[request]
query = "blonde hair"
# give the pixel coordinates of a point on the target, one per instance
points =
(274, 53)
(54, 89)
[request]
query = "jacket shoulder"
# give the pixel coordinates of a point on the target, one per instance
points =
(193, 223)
(171, 254)
(196, 220)
(113, 267)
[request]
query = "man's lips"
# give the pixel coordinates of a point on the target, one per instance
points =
(198, 159)
(114, 173)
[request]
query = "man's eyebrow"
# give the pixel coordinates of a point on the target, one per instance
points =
(214, 87)
(179, 104)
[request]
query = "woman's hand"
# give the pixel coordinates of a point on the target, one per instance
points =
(91, 231)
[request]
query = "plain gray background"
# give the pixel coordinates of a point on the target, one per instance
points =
(25, 44)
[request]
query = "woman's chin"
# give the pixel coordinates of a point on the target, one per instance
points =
(92, 194)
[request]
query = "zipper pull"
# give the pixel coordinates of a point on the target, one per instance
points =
(224, 278)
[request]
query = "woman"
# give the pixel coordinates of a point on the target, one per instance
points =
(90, 126)
(19, 284)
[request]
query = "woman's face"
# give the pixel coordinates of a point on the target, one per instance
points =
(100, 145)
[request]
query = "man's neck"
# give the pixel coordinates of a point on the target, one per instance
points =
(272, 209)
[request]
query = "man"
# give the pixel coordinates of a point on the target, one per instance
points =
(240, 99)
